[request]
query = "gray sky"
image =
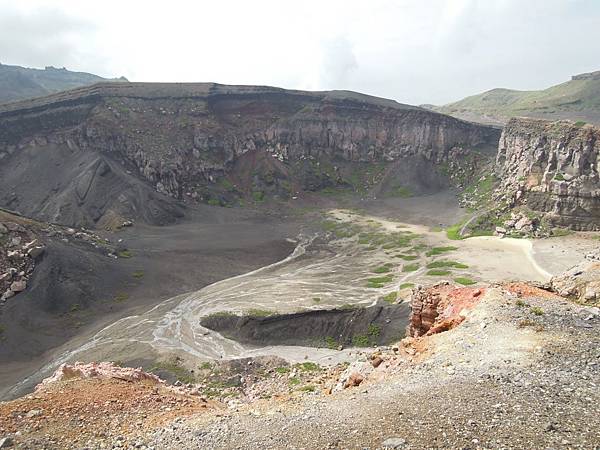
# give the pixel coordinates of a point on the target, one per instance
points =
(414, 51)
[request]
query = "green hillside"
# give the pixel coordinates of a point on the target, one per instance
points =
(577, 99)
(18, 83)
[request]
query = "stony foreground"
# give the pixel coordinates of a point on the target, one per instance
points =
(522, 370)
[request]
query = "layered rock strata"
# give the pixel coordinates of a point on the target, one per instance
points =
(552, 168)
(126, 150)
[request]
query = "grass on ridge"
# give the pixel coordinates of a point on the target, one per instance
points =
(258, 313)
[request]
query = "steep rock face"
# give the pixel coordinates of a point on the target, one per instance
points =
(552, 167)
(206, 142)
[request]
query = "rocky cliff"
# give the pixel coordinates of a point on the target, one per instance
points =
(552, 168)
(107, 152)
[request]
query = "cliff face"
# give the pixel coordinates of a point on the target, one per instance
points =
(552, 167)
(208, 142)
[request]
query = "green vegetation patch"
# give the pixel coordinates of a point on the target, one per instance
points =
(438, 272)
(382, 269)
(342, 229)
(308, 366)
(138, 274)
(407, 257)
(125, 254)
(453, 232)
(388, 241)
(407, 285)
(536, 310)
(464, 281)
(331, 343)
(121, 297)
(222, 314)
(258, 196)
(391, 297)
(175, 367)
(410, 267)
(374, 330)
(368, 339)
(226, 184)
(445, 263)
(255, 312)
(361, 340)
(558, 232)
(441, 250)
(383, 279)
(348, 306)
(308, 388)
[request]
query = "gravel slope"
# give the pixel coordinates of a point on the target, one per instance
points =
(507, 378)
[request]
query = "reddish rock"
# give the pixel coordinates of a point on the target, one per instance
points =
(354, 380)
(440, 308)
(376, 362)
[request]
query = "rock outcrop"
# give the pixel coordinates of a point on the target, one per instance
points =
(552, 168)
(20, 247)
(23, 243)
(440, 307)
(581, 282)
(129, 150)
(99, 370)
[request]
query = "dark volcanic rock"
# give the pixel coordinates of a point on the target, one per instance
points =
(98, 155)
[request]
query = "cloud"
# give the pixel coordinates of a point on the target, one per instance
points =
(337, 63)
(41, 37)
(413, 51)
